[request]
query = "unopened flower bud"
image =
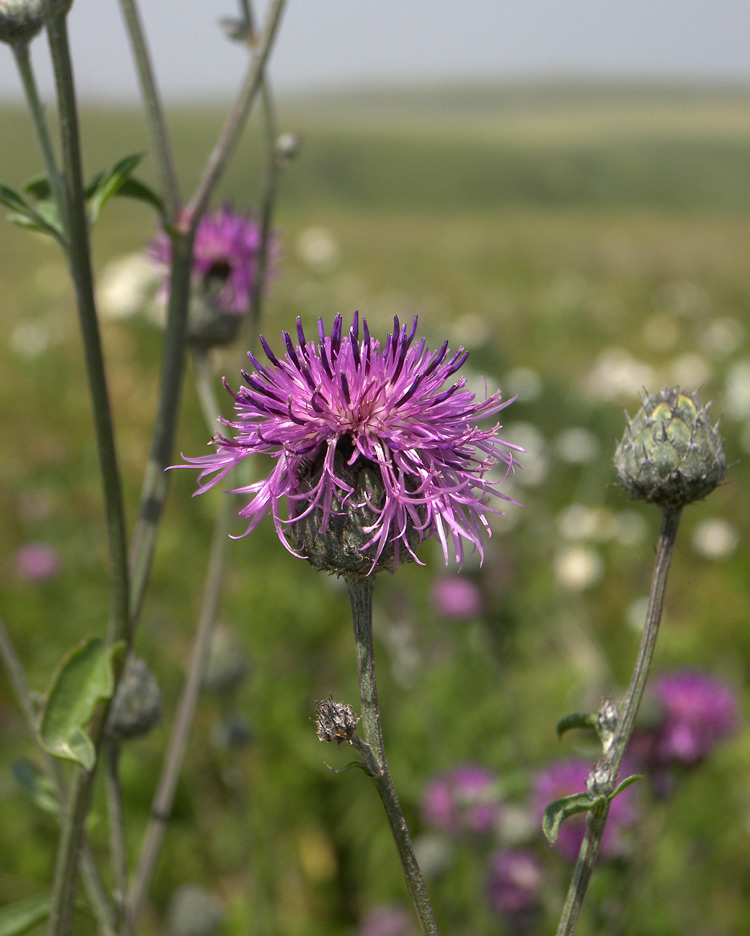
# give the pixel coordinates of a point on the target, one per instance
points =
(194, 911)
(336, 721)
(671, 453)
(136, 707)
(606, 723)
(287, 147)
(599, 781)
(20, 20)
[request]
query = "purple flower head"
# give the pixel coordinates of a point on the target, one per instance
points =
(37, 562)
(462, 800)
(456, 597)
(372, 452)
(387, 921)
(698, 712)
(567, 777)
(225, 258)
(515, 881)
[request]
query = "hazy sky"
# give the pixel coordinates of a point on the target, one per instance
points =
(330, 42)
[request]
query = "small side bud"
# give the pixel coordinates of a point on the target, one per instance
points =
(335, 721)
(606, 723)
(671, 454)
(136, 707)
(600, 781)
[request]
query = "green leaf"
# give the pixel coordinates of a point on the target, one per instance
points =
(108, 183)
(559, 810)
(38, 188)
(624, 784)
(34, 782)
(575, 720)
(83, 679)
(132, 188)
(25, 915)
(43, 218)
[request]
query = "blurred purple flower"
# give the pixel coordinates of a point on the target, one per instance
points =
(462, 800)
(567, 777)
(456, 597)
(387, 921)
(353, 426)
(37, 562)
(514, 882)
(698, 711)
(225, 257)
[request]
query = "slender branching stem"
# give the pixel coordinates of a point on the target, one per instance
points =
(597, 818)
(239, 112)
(360, 596)
(117, 847)
(156, 125)
(41, 128)
(95, 887)
(175, 754)
(79, 260)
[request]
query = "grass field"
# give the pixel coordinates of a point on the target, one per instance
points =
(583, 243)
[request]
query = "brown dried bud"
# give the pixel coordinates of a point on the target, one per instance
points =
(336, 721)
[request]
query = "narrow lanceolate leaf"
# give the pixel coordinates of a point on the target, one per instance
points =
(84, 679)
(118, 181)
(42, 218)
(575, 720)
(559, 810)
(624, 784)
(35, 784)
(24, 915)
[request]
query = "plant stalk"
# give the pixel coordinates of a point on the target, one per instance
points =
(596, 819)
(360, 596)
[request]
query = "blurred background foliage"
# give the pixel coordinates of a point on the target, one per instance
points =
(584, 243)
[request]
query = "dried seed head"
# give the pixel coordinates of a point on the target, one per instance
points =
(136, 707)
(671, 454)
(336, 721)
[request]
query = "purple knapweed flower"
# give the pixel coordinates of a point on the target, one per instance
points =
(387, 921)
(698, 712)
(462, 800)
(37, 562)
(456, 597)
(514, 881)
(225, 257)
(373, 454)
(565, 778)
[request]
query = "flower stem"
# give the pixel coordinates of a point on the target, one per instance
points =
(118, 850)
(596, 819)
(41, 129)
(360, 596)
(155, 123)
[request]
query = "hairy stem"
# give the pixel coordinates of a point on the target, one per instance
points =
(596, 819)
(360, 596)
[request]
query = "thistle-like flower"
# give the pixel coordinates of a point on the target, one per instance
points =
(373, 454)
(225, 266)
(671, 453)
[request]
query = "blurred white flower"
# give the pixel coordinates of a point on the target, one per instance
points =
(683, 298)
(715, 539)
(127, 287)
(617, 374)
(661, 332)
(737, 390)
(317, 249)
(635, 614)
(470, 331)
(523, 383)
(723, 336)
(579, 522)
(578, 567)
(576, 445)
(689, 370)
(536, 460)
(632, 528)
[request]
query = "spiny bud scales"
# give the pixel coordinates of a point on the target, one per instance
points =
(336, 721)
(671, 453)
(136, 707)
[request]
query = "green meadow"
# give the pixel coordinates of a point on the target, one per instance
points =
(584, 243)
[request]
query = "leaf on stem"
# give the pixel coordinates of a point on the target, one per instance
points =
(624, 784)
(36, 785)
(575, 720)
(83, 680)
(25, 915)
(42, 217)
(118, 181)
(561, 809)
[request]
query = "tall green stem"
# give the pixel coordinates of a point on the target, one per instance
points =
(360, 596)
(597, 819)
(156, 125)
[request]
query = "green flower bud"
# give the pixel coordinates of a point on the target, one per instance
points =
(20, 20)
(671, 453)
(136, 707)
